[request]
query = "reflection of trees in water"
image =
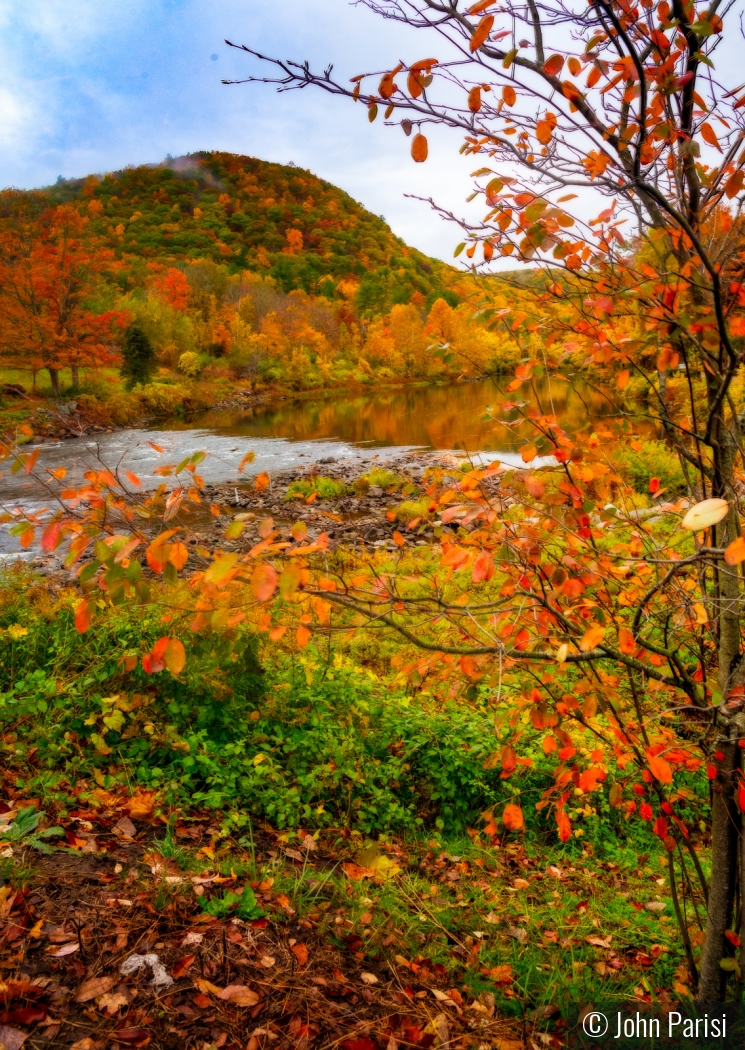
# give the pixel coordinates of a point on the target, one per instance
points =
(444, 417)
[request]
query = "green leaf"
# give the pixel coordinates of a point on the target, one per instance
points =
(372, 112)
(245, 906)
(459, 249)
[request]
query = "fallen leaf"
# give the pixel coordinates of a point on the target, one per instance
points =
(205, 987)
(239, 995)
(94, 987)
(368, 978)
(125, 827)
(112, 1002)
(133, 1036)
(518, 933)
(599, 942)
(267, 961)
(66, 949)
(300, 952)
(12, 1038)
(81, 1044)
(183, 965)
(655, 906)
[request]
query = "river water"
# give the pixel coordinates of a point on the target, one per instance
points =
(293, 432)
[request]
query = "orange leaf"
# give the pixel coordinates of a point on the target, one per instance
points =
(483, 567)
(626, 641)
(660, 769)
(132, 478)
(535, 486)
(419, 149)
(178, 555)
(398, 539)
(509, 96)
(709, 135)
(622, 379)
(543, 132)
(302, 636)
(175, 656)
(591, 638)
(263, 581)
(734, 184)
(553, 66)
(182, 966)
(83, 616)
(735, 553)
(300, 952)
(737, 326)
(513, 817)
(481, 32)
(474, 99)
(564, 825)
(261, 482)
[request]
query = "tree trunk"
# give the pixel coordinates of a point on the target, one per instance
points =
(54, 378)
(725, 835)
(725, 815)
(75, 376)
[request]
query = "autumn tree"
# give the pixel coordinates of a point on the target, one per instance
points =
(48, 268)
(608, 152)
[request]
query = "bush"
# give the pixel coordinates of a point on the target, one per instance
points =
(190, 364)
(654, 460)
(327, 488)
(411, 509)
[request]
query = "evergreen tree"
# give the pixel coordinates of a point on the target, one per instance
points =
(139, 358)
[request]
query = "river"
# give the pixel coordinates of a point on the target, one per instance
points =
(292, 432)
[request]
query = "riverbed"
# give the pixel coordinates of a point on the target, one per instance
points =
(352, 430)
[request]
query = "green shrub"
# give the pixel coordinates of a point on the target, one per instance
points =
(327, 488)
(378, 476)
(411, 509)
(654, 460)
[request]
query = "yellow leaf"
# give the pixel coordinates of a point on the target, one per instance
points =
(705, 514)
(221, 568)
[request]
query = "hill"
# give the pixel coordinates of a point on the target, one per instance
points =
(249, 214)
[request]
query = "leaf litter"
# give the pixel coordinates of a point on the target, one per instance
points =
(127, 946)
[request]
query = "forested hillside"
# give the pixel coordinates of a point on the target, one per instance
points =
(238, 273)
(268, 218)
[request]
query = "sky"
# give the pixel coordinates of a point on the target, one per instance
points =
(94, 85)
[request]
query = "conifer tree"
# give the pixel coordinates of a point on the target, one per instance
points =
(139, 358)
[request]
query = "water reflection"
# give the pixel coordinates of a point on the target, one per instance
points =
(439, 417)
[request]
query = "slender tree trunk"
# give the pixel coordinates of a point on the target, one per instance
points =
(75, 376)
(725, 816)
(725, 842)
(54, 378)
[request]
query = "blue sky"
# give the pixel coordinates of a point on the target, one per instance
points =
(93, 85)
